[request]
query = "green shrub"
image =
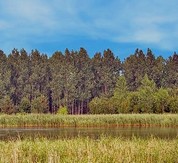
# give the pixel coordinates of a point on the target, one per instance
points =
(161, 100)
(40, 105)
(173, 104)
(62, 110)
(25, 106)
(102, 105)
(7, 106)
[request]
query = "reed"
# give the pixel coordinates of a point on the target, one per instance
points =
(83, 150)
(48, 120)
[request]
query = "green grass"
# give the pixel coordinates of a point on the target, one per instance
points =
(84, 150)
(48, 120)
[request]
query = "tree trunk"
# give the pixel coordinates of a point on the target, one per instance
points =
(75, 107)
(50, 101)
(79, 105)
(87, 109)
(105, 89)
(82, 107)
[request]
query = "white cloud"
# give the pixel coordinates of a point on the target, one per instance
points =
(149, 22)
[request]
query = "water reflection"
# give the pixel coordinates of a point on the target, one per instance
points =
(68, 132)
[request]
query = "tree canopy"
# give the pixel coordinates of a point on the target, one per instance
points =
(34, 82)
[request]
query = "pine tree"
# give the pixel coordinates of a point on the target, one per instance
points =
(5, 75)
(146, 93)
(171, 72)
(56, 84)
(134, 69)
(84, 80)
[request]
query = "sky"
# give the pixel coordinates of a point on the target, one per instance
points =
(96, 25)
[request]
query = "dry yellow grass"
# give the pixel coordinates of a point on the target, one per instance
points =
(84, 150)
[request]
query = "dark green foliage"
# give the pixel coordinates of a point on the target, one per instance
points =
(139, 64)
(120, 98)
(39, 105)
(171, 72)
(146, 99)
(121, 87)
(6, 105)
(173, 105)
(146, 93)
(134, 103)
(25, 106)
(134, 69)
(102, 105)
(35, 83)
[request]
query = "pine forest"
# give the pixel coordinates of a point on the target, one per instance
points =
(36, 83)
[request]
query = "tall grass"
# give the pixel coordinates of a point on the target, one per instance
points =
(83, 150)
(48, 120)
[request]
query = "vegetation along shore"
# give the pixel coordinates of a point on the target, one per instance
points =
(89, 150)
(48, 120)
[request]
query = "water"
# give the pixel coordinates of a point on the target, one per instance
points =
(68, 132)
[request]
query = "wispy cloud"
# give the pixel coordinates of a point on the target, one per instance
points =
(153, 22)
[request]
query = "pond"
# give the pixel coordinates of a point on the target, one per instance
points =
(68, 132)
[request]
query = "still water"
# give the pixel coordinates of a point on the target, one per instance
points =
(68, 132)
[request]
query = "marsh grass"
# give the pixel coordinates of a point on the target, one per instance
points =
(48, 120)
(84, 150)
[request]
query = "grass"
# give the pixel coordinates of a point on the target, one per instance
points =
(48, 120)
(84, 150)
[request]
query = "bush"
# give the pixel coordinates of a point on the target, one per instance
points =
(25, 106)
(161, 100)
(62, 110)
(146, 99)
(173, 104)
(6, 105)
(102, 105)
(134, 106)
(39, 105)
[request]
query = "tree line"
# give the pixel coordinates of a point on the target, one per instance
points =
(35, 83)
(146, 99)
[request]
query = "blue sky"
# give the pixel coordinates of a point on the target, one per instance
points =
(121, 25)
